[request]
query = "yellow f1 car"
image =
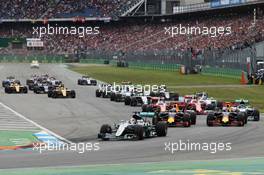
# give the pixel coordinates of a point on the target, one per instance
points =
(16, 88)
(61, 92)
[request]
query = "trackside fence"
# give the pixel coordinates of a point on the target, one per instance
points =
(28, 59)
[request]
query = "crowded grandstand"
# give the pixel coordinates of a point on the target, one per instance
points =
(131, 35)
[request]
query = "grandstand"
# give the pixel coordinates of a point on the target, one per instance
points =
(133, 36)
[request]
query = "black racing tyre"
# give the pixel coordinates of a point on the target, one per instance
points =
(241, 119)
(104, 95)
(98, 93)
(7, 90)
(79, 82)
(193, 118)
(49, 93)
(245, 117)
(113, 97)
(54, 95)
(139, 132)
(133, 102)
(118, 98)
(256, 115)
(127, 101)
(209, 118)
(31, 87)
(94, 82)
(72, 94)
(36, 90)
(187, 121)
(25, 90)
(161, 129)
(105, 129)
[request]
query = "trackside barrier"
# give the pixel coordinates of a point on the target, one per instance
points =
(28, 59)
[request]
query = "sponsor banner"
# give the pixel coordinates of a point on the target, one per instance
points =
(220, 3)
(34, 42)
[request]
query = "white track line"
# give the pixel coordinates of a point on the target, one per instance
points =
(37, 125)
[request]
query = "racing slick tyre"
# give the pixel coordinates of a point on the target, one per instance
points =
(187, 121)
(118, 98)
(241, 119)
(31, 87)
(93, 82)
(193, 118)
(24, 90)
(105, 129)
(7, 90)
(256, 115)
(113, 97)
(3, 84)
(209, 119)
(72, 94)
(98, 93)
(133, 102)
(127, 100)
(36, 90)
(104, 95)
(139, 132)
(79, 82)
(161, 129)
(54, 95)
(49, 93)
(245, 117)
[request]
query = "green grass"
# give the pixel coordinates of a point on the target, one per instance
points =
(216, 167)
(254, 94)
(14, 138)
(113, 74)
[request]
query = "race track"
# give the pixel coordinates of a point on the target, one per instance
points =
(79, 120)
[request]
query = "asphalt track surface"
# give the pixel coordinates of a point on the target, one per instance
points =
(79, 120)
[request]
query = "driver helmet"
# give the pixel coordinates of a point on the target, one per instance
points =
(133, 120)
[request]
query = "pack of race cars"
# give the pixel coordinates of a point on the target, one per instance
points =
(173, 110)
(39, 84)
(160, 109)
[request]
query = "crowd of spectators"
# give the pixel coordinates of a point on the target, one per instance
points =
(20, 9)
(34, 9)
(140, 37)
